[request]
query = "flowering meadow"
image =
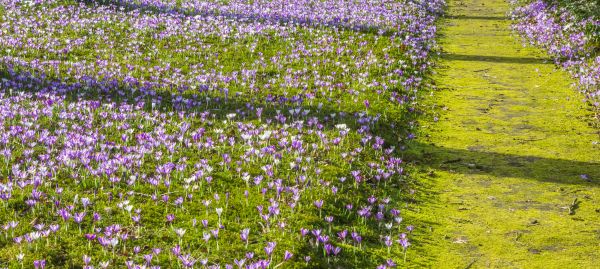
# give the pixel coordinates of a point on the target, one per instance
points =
(570, 33)
(209, 133)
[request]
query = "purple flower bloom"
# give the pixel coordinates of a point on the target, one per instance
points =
(39, 264)
(86, 259)
(328, 248)
(239, 263)
(215, 233)
(270, 248)
(304, 231)
(176, 250)
(403, 241)
(342, 235)
(356, 237)
(318, 204)
(78, 217)
(287, 255)
(244, 234)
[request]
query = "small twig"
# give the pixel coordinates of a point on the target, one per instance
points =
(573, 207)
(471, 264)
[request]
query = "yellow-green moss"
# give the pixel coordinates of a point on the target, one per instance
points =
(502, 167)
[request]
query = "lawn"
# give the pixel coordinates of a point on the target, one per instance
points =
(182, 134)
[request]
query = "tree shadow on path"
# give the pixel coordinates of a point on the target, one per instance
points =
(485, 18)
(495, 59)
(494, 164)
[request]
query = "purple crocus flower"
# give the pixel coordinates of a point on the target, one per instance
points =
(287, 255)
(403, 241)
(318, 204)
(244, 234)
(270, 248)
(39, 264)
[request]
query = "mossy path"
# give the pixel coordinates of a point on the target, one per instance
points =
(512, 150)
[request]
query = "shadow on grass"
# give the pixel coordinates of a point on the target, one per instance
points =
(504, 165)
(495, 59)
(428, 158)
(218, 102)
(484, 18)
(251, 17)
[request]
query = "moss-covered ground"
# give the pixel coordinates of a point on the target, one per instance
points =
(511, 170)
